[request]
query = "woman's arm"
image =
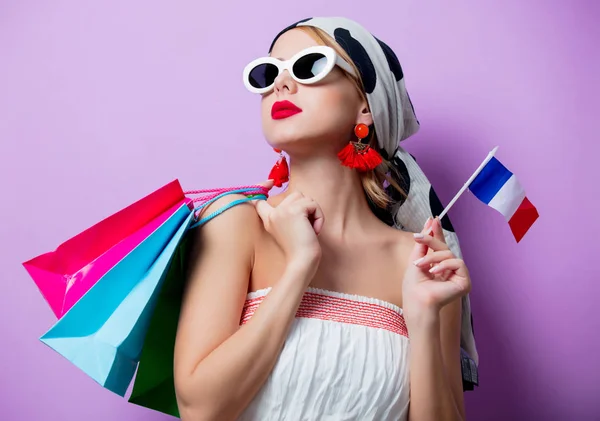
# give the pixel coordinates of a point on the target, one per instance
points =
(220, 366)
(432, 289)
(435, 370)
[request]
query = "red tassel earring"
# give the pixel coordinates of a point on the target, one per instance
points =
(358, 155)
(280, 173)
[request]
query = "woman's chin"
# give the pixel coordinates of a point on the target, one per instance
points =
(285, 138)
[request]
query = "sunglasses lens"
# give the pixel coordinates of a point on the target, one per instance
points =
(309, 66)
(263, 75)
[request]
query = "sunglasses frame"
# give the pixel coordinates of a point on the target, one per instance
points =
(329, 53)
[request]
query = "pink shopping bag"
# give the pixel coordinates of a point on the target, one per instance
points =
(64, 275)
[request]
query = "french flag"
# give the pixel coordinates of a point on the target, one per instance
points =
(498, 188)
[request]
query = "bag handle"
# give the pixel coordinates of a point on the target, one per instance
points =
(255, 192)
(212, 193)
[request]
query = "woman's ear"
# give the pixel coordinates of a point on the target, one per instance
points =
(364, 116)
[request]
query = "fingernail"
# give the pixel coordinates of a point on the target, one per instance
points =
(434, 269)
(427, 222)
(416, 262)
(418, 235)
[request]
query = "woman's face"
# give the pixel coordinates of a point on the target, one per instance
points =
(330, 108)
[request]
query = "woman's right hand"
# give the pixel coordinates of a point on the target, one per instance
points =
(294, 224)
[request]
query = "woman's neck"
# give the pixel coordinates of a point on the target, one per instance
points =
(339, 192)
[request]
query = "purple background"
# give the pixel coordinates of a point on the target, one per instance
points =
(103, 102)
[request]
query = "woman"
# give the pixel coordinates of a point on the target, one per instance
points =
(301, 307)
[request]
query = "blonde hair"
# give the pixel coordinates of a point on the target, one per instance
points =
(372, 181)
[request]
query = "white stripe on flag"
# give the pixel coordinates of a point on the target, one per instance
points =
(509, 198)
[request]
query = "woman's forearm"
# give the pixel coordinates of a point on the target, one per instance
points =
(431, 397)
(224, 382)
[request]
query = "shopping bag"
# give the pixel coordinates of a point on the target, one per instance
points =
(103, 332)
(154, 386)
(63, 276)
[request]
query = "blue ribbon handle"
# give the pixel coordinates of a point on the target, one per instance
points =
(258, 196)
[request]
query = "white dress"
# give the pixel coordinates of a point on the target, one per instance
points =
(345, 358)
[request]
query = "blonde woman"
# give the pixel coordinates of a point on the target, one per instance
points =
(313, 305)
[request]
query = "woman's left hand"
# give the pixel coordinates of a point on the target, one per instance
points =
(433, 278)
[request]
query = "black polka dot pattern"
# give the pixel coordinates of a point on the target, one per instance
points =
(385, 215)
(400, 176)
(412, 107)
(382, 152)
(392, 60)
(437, 208)
(359, 56)
(292, 26)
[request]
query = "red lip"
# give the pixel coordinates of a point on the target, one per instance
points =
(284, 109)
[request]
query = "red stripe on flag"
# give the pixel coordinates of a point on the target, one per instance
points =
(523, 219)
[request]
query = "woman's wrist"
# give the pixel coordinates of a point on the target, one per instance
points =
(304, 264)
(422, 319)
(297, 274)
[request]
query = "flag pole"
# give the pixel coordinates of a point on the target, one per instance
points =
(469, 181)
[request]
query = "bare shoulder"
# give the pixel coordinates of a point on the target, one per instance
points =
(403, 241)
(233, 230)
(397, 242)
(239, 219)
(403, 236)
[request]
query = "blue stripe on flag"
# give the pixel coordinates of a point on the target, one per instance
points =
(490, 180)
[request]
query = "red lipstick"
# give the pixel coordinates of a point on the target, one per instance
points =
(284, 109)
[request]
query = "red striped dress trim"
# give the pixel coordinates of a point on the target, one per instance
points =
(338, 307)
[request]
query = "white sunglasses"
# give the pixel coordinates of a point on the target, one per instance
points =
(308, 66)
